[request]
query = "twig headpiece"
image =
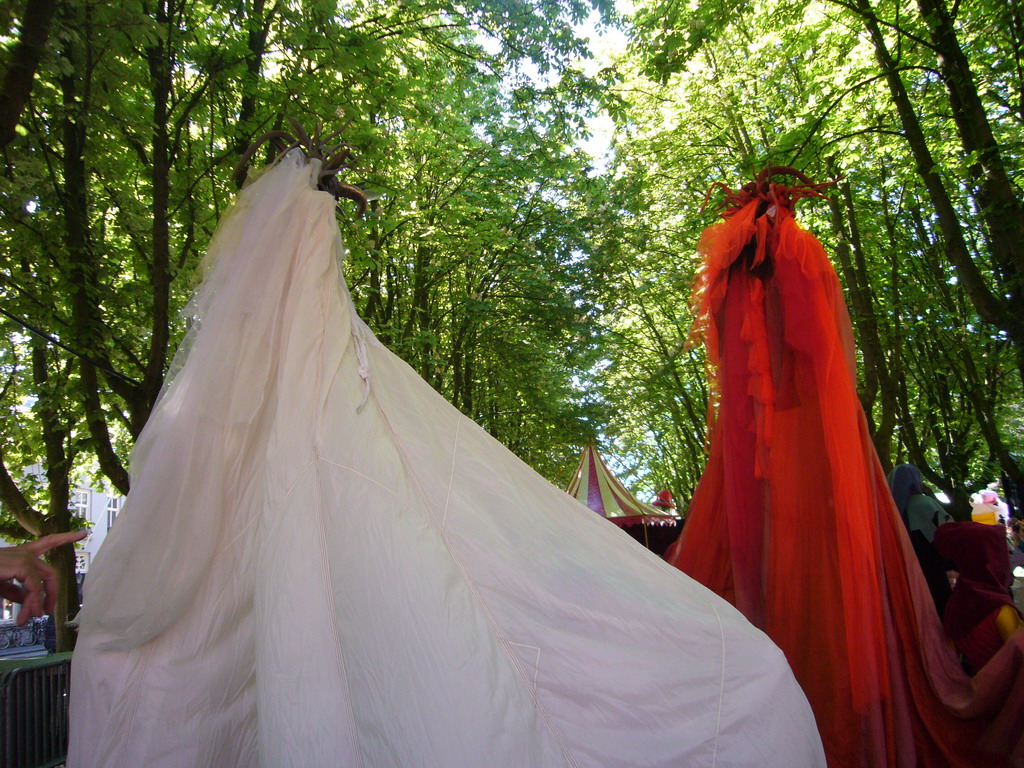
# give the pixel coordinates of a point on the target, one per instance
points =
(764, 188)
(334, 159)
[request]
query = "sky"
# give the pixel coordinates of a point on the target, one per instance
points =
(606, 43)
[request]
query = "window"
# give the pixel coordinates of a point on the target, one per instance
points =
(80, 504)
(113, 507)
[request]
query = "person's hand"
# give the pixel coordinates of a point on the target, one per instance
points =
(37, 590)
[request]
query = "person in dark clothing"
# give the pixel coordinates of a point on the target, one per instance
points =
(922, 514)
(980, 615)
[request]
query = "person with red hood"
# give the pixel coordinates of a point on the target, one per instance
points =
(664, 500)
(980, 614)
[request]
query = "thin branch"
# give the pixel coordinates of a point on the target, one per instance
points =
(900, 30)
(16, 504)
(44, 335)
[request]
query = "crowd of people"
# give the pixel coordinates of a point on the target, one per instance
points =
(967, 565)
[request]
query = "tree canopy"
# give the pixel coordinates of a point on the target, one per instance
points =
(543, 291)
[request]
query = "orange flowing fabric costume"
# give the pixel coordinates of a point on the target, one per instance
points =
(793, 521)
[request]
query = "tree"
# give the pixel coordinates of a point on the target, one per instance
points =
(137, 115)
(21, 67)
(721, 90)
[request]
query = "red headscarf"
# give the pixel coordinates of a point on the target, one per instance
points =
(980, 555)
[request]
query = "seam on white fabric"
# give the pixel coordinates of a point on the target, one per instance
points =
(721, 688)
(553, 732)
(536, 665)
(253, 519)
(329, 589)
(319, 402)
(325, 561)
(451, 477)
(354, 471)
(135, 704)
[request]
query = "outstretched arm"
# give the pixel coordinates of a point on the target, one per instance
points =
(26, 579)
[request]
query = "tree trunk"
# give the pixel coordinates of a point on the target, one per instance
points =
(81, 265)
(17, 505)
(989, 305)
(999, 205)
(417, 327)
(62, 559)
(878, 380)
(68, 604)
(159, 61)
(56, 431)
(373, 247)
(258, 28)
(21, 70)
(984, 409)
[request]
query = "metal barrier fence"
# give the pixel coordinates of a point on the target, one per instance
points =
(34, 713)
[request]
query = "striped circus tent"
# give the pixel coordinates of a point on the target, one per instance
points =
(596, 487)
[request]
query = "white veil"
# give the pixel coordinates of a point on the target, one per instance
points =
(322, 562)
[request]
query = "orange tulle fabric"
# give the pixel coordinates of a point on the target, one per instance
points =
(793, 522)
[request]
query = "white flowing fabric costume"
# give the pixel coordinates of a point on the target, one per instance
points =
(323, 563)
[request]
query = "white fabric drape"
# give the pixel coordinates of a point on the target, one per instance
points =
(299, 581)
